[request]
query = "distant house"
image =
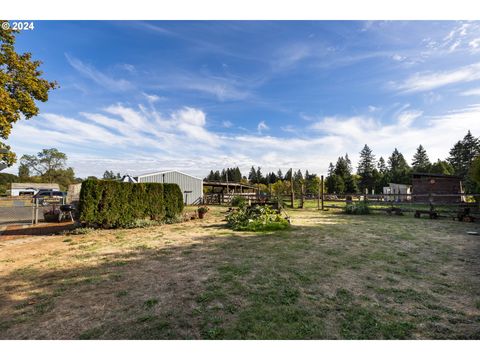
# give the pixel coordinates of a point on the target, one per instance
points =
(397, 192)
(128, 178)
(437, 184)
(191, 186)
(30, 189)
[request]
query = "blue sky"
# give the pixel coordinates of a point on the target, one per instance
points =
(143, 96)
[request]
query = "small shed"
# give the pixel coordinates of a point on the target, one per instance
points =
(191, 186)
(397, 192)
(30, 189)
(424, 184)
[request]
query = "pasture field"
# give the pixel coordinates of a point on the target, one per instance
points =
(331, 276)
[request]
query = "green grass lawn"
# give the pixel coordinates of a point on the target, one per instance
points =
(331, 276)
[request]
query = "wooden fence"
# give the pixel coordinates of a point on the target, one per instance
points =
(448, 203)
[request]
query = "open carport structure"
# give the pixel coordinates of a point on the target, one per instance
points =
(219, 192)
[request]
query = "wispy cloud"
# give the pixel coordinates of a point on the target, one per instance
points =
(471, 92)
(128, 139)
(432, 80)
(262, 126)
(97, 76)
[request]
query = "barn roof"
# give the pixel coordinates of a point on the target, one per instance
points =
(419, 175)
(34, 186)
(164, 172)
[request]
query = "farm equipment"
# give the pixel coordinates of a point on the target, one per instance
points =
(431, 213)
(394, 211)
(464, 214)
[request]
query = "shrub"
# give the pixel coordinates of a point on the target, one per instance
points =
(238, 201)
(203, 209)
(257, 218)
(111, 204)
(358, 208)
(173, 200)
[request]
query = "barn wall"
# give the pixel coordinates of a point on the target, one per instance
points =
(442, 185)
(185, 182)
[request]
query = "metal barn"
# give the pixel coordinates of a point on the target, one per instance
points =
(191, 186)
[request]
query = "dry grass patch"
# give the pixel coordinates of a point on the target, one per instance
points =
(330, 276)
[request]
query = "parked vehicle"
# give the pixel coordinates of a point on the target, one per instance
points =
(45, 196)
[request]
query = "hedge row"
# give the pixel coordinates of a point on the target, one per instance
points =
(111, 204)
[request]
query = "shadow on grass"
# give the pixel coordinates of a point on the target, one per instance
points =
(323, 285)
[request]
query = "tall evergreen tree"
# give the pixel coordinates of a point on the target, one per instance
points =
(210, 176)
(366, 166)
(461, 157)
(382, 166)
(288, 175)
(420, 161)
(252, 175)
(398, 168)
(463, 153)
(260, 178)
(349, 163)
(341, 167)
(298, 181)
(381, 176)
(280, 174)
(237, 174)
(331, 169)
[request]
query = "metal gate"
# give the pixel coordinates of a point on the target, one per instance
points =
(26, 210)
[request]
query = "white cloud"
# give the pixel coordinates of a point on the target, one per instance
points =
(432, 80)
(475, 43)
(227, 124)
(133, 140)
(406, 118)
(262, 126)
(398, 57)
(151, 98)
(291, 54)
(97, 76)
(460, 38)
(223, 88)
(471, 92)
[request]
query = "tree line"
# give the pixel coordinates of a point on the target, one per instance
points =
(271, 182)
(373, 174)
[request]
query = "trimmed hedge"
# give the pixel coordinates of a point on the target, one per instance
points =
(111, 204)
(174, 201)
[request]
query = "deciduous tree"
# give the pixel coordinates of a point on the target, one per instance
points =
(21, 84)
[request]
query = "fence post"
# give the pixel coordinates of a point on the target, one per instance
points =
(33, 211)
(36, 211)
(291, 188)
(321, 191)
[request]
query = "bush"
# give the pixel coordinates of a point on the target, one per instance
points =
(257, 218)
(111, 204)
(173, 199)
(238, 201)
(358, 208)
